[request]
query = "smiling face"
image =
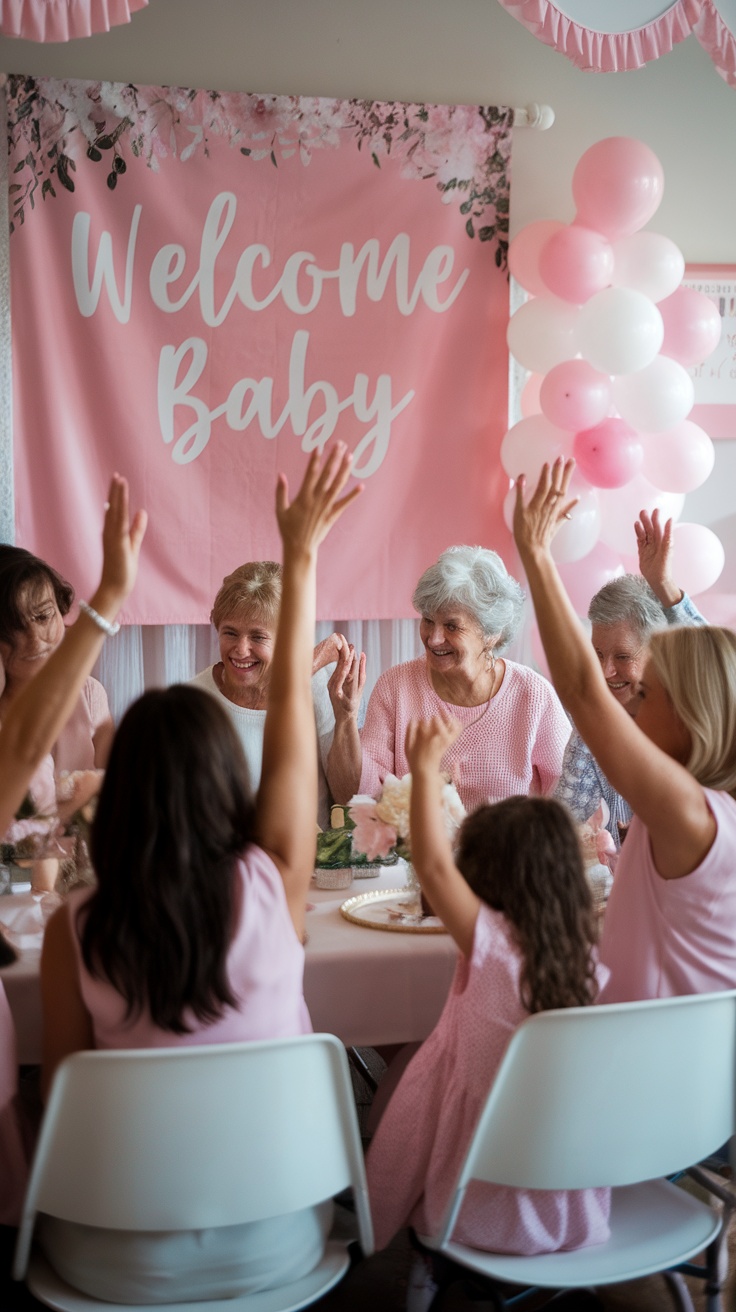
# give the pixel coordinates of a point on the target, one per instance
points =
(658, 719)
(42, 631)
(622, 654)
(246, 651)
(456, 646)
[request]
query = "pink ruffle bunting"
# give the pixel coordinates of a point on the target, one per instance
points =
(606, 52)
(718, 39)
(62, 20)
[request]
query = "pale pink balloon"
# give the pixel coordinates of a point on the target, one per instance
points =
(655, 398)
(531, 443)
(583, 578)
(610, 454)
(509, 502)
(617, 185)
(719, 608)
(541, 333)
(692, 326)
(679, 460)
(698, 557)
(620, 508)
(574, 395)
(524, 254)
(529, 400)
(575, 263)
(648, 263)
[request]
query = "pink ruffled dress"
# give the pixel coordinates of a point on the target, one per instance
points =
(424, 1133)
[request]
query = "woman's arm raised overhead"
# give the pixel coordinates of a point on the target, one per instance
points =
(446, 888)
(286, 806)
(38, 715)
(665, 796)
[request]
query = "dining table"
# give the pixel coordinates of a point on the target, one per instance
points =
(369, 986)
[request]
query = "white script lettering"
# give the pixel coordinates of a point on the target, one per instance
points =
(251, 399)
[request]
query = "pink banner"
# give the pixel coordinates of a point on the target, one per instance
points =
(207, 286)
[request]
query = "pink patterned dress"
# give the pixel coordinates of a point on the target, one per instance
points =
(513, 745)
(422, 1139)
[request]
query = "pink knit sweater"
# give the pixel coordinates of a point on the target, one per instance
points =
(514, 745)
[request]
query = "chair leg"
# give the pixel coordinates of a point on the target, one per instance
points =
(679, 1291)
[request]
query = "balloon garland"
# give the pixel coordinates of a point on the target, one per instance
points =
(608, 335)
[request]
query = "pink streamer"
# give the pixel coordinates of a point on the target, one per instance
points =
(606, 52)
(716, 37)
(62, 20)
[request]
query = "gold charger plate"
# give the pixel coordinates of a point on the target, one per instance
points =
(381, 909)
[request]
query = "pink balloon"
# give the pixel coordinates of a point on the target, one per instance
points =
(583, 578)
(574, 395)
(617, 186)
(679, 460)
(610, 454)
(524, 253)
(620, 508)
(530, 443)
(692, 326)
(529, 401)
(575, 263)
(698, 557)
(719, 608)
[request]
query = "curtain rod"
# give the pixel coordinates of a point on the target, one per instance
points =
(534, 116)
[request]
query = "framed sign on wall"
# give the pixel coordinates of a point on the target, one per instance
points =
(715, 378)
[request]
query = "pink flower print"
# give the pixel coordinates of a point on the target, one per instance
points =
(371, 836)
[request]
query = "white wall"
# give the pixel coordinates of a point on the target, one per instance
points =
(457, 51)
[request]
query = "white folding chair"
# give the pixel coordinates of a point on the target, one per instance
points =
(190, 1138)
(620, 1096)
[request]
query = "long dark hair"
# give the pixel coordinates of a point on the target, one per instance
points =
(19, 569)
(522, 857)
(174, 813)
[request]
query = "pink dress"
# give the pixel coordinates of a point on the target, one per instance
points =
(663, 938)
(265, 967)
(424, 1133)
(74, 749)
(513, 745)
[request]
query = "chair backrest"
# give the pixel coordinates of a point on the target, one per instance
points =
(188, 1138)
(608, 1095)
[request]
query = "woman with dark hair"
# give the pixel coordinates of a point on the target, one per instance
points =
(515, 899)
(194, 933)
(34, 600)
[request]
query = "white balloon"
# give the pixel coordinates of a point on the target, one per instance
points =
(620, 507)
(648, 263)
(579, 534)
(679, 460)
(541, 333)
(530, 443)
(619, 330)
(655, 398)
(698, 557)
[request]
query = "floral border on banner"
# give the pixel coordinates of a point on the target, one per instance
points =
(102, 119)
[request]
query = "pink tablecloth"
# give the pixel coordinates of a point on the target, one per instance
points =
(367, 986)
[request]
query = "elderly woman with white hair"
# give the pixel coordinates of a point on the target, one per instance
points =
(624, 614)
(514, 728)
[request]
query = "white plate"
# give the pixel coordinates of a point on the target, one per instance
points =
(391, 909)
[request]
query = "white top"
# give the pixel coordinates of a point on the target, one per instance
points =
(249, 726)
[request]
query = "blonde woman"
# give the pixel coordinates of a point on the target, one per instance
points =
(670, 925)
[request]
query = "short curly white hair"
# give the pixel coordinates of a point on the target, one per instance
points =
(477, 580)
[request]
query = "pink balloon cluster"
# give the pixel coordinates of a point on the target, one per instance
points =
(608, 334)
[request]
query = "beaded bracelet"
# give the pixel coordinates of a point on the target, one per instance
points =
(106, 625)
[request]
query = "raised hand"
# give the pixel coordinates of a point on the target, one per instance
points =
(347, 681)
(654, 544)
(426, 741)
(306, 521)
(537, 522)
(328, 651)
(121, 542)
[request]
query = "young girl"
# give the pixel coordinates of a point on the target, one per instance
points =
(195, 931)
(518, 906)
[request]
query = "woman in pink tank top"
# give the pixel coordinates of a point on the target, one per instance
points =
(194, 932)
(670, 925)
